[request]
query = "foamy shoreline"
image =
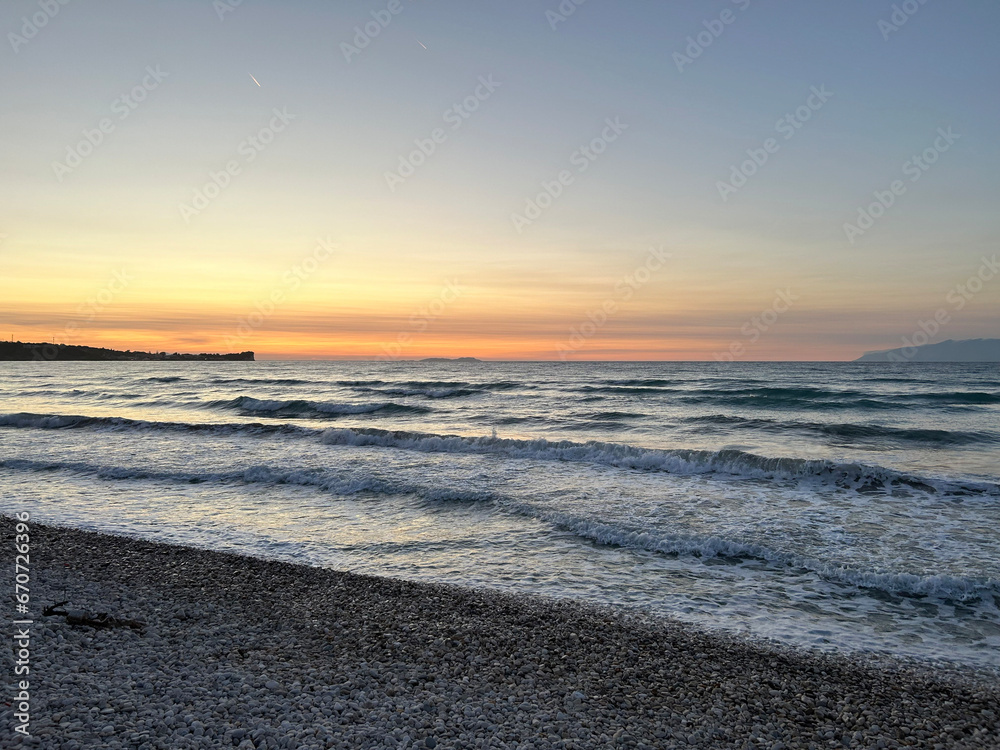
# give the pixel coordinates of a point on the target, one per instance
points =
(256, 653)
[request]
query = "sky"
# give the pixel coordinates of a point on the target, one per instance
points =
(733, 179)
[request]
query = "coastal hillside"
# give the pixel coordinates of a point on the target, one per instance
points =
(18, 351)
(969, 350)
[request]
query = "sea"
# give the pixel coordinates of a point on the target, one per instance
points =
(851, 507)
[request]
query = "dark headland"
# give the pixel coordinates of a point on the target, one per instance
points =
(18, 351)
(969, 350)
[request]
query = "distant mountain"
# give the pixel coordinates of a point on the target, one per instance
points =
(17, 351)
(970, 350)
(449, 359)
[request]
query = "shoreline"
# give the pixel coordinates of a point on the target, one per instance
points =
(249, 652)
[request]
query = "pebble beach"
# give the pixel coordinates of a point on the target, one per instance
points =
(252, 653)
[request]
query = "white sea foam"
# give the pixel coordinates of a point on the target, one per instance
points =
(602, 532)
(907, 584)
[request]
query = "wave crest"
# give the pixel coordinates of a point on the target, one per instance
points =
(860, 477)
(279, 408)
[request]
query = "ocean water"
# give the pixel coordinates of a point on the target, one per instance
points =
(853, 507)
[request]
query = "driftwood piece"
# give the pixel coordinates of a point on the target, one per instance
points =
(80, 617)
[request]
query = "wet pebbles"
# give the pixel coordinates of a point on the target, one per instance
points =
(247, 653)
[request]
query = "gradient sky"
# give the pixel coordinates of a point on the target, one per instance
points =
(434, 265)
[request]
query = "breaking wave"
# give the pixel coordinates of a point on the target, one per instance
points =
(860, 477)
(733, 463)
(851, 430)
(333, 483)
